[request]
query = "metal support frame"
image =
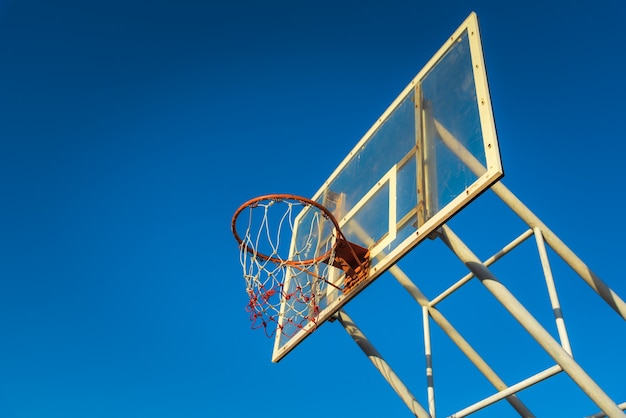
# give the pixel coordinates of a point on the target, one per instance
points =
(516, 205)
(560, 351)
(532, 326)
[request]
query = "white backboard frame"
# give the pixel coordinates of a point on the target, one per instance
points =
(486, 172)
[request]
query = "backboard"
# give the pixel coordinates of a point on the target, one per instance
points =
(430, 154)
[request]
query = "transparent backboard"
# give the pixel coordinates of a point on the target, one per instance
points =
(431, 153)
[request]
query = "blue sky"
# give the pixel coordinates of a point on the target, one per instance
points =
(130, 131)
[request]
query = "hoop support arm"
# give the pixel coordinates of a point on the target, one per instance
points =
(354, 260)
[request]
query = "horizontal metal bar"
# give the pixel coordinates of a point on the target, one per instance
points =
(508, 391)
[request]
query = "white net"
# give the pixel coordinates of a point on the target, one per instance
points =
(286, 252)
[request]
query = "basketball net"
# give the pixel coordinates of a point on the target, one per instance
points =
(286, 251)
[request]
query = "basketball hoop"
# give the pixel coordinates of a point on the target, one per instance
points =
(286, 250)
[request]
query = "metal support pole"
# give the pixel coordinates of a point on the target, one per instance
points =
(534, 328)
(429, 362)
(382, 366)
(554, 298)
(458, 339)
